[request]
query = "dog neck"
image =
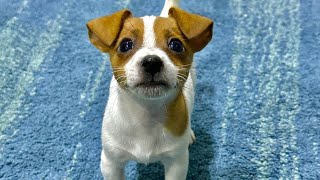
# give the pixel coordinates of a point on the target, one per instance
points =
(170, 111)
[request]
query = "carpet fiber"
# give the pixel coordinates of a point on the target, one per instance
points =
(257, 110)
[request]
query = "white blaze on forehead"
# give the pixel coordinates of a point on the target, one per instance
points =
(149, 39)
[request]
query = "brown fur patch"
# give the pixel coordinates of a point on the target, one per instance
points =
(103, 31)
(177, 116)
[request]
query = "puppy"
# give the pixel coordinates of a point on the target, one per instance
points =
(147, 117)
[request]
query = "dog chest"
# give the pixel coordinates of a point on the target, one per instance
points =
(143, 145)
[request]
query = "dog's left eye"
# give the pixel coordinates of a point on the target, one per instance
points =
(175, 45)
(126, 45)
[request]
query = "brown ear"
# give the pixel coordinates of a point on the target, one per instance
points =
(103, 31)
(196, 28)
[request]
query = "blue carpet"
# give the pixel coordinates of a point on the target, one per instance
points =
(257, 111)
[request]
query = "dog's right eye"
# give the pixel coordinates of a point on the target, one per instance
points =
(126, 45)
(176, 45)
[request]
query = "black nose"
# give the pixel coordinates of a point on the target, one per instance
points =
(152, 64)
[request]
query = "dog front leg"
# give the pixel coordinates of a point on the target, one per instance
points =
(176, 168)
(110, 169)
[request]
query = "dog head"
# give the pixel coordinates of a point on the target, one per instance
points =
(151, 56)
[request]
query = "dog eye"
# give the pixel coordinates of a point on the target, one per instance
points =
(176, 45)
(126, 45)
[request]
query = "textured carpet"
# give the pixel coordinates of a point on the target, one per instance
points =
(257, 111)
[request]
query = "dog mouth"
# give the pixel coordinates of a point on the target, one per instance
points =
(151, 89)
(152, 84)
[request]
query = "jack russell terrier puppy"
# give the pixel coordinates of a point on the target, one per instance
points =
(147, 117)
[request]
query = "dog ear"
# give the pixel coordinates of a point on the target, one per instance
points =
(103, 31)
(196, 28)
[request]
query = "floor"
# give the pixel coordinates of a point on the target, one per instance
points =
(257, 111)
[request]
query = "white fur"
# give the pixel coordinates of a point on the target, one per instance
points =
(167, 5)
(133, 125)
(149, 39)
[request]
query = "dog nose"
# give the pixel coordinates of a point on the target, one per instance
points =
(152, 64)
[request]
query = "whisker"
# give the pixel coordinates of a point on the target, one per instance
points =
(123, 83)
(119, 70)
(184, 76)
(120, 77)
(119, 67)
(183, 85)
(184, 69)
(187, 88)
(185, 65)
(116, 68)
